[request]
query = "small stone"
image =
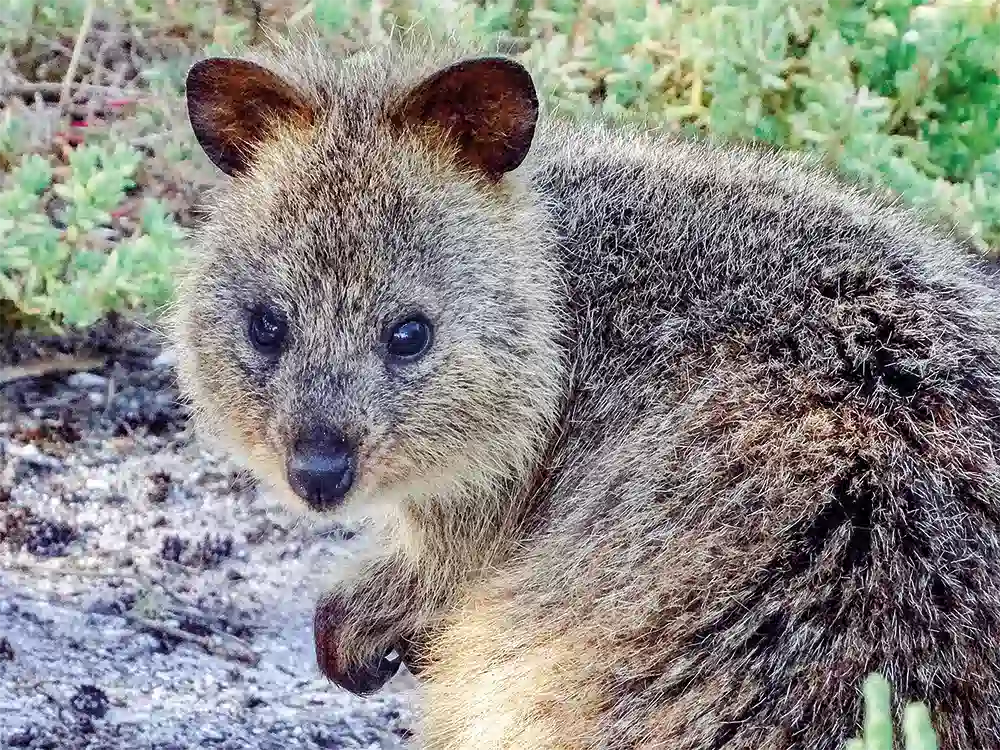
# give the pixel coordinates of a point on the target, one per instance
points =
(95, 484)
(6, 650)
(166, 359)
(87, 381)
(211, 735)
(22, 450)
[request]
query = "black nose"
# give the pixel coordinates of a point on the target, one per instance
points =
(321, 468)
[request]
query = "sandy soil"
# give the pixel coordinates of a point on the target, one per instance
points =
(150, 597)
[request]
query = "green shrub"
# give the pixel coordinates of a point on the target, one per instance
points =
(59, 267)
(96, 181)
(900, 93)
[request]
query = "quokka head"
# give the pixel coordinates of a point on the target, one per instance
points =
(369, 312)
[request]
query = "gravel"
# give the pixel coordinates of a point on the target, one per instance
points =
(150, 595)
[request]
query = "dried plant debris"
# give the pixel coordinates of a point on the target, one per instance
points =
(149, 594)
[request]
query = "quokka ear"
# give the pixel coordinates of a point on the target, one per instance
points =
(235, 106)
(486, 106)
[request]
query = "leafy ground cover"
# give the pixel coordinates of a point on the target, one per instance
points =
(99, 175)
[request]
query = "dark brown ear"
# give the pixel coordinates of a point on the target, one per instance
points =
(487, 105)
(234, 107)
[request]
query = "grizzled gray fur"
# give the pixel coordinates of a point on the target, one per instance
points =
(669, 444)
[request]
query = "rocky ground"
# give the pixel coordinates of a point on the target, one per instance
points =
(150, 597)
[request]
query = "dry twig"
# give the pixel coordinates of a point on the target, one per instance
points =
(239, 651)
(52, 367)
(48, 87)
(74, 61)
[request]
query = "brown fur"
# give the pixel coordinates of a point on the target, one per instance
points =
(705, 435)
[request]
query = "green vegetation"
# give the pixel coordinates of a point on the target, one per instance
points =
(59, 265)
(98, 172)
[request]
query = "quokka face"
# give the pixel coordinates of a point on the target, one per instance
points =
(366, 315)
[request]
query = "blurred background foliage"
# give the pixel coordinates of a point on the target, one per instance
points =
(99, 176)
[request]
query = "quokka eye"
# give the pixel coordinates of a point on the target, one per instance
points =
(267, 330)
(409, 339)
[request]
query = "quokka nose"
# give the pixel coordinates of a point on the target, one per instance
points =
(321, 468)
